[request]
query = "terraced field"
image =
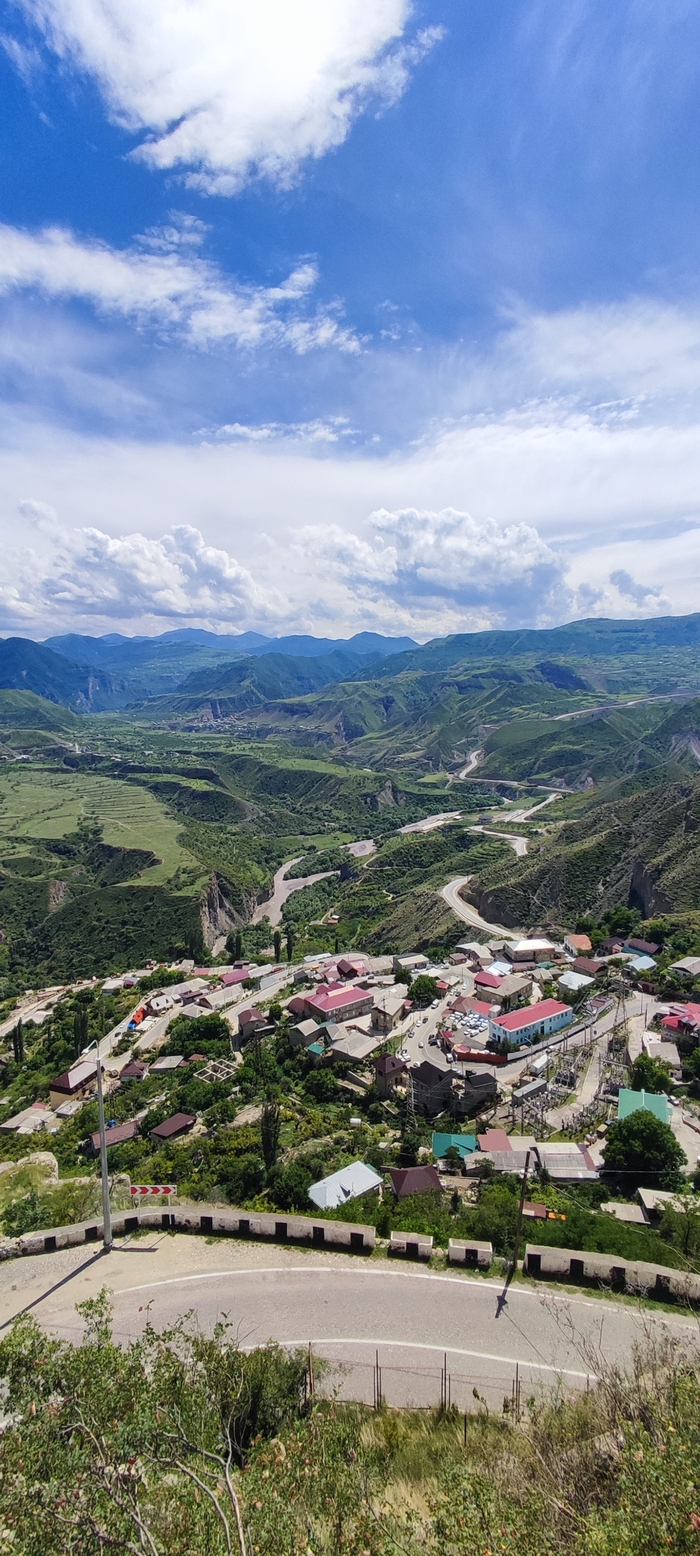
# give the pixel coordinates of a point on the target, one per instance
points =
(49, 804)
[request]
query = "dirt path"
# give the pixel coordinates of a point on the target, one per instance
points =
(282, 889)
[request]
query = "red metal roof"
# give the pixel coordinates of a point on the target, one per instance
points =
(530, 1015)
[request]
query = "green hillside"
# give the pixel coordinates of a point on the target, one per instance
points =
(641, 848)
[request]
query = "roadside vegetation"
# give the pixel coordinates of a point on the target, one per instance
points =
(177, 1442)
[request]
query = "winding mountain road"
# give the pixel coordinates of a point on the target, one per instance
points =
(350, 1310)
(465, 910)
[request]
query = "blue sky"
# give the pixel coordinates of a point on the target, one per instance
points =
(374, 315)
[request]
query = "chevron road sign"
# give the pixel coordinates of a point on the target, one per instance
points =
(154, 1190)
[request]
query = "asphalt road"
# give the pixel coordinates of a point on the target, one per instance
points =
(466, 912)
(350, 1311)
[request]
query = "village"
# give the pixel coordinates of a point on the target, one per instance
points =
(507, 1058)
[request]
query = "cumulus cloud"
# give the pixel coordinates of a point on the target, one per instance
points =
(176, 577)
(168, 286)
(226, 89)
(450, 567)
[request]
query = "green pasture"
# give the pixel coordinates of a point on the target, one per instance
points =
(43, 803)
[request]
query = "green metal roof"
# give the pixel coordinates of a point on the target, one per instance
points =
(465, 1144)
(315, 1048)
(631, 1101)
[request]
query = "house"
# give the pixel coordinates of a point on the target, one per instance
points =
(75, 1084)
(352, 967)
(687, 967)
(514, 990)
(642, 963)
(172, 1128)
(478, 1091)
(590, 966)
(250, 1022)
(655, 1203)
(611, 947)
(302, 1033)
(535, 1021)
(529, 951)
(159, 1003)
(388, 1069)
(166, 1064)
(442, 1143)
(38, 1116)
(412, 962)
(117, 1134)
(339, 1004)
(389, 1009)
(666, 1052)
(574, 982)
(297, 1006)
(494, 1140)
(567, 1162)
(235, 976)
(414, 1180)
(432, 1087)
(641, 947)
(682, 1018)
(629, 1102)
(134, 1071)
(487, 985)
(474, 1007)
(346, 1184)
(577, 945)
(355, 1043)
(473, 952)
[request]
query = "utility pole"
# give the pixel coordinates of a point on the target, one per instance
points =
(106, 1209)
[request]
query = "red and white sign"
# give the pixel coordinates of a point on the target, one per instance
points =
(156, 1190)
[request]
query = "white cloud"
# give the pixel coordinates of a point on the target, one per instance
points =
(632, 349)
(448, 568)
(85, 574)
(226, 89)
(27, 62)
(179, 292)
(329, 429)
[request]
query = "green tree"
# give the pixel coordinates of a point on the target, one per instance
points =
(651, 1075)
(410, 1145)
(270, 1124)
(645, 1150)
(80, 1030)
(290, 943)
(277, 943)
(423, 990)
(18, 1043)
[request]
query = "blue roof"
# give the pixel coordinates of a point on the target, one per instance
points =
(465, 1144)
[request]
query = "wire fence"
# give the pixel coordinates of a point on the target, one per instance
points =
(444, 1384)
